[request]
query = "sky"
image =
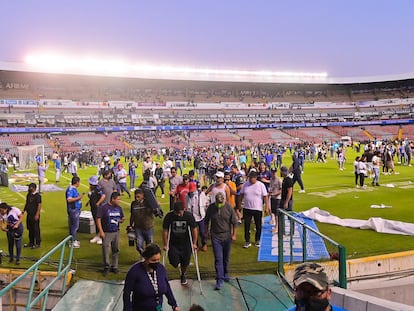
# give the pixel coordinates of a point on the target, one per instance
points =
(344, 38)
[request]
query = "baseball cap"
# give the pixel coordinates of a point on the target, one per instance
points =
(311, 273)
(220, 174)
(93, 180)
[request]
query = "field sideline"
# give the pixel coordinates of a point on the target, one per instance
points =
(326, 187)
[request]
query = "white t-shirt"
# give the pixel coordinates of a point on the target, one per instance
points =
(253, 195)
(12, 217)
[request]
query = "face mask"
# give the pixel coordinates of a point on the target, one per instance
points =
(220, 205)
(153, 265)
(317, 304)
(312, 304)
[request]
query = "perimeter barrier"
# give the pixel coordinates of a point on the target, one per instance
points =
(31, 289)
(299, 242)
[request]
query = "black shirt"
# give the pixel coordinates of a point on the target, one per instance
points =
(32, 202)
(179, 228)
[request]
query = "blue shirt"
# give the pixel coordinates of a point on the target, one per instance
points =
(111, 216)
(72, 192)
(58, 164)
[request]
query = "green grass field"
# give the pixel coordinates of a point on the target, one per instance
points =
(326, 187)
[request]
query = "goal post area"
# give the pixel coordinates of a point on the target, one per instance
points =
(29, 156)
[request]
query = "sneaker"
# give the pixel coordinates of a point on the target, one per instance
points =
(183, 279)
(257, 244)
(162, 196)
(247, 245)
(76, 244)
(36, 246)
(99, 241)
(11, 260)
(302, 191)
(218, 286)
(17, 262)
(30, 245)
(115, 270)
(94, 239)
(105, 271)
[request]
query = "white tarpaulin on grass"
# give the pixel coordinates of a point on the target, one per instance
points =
(374, 223)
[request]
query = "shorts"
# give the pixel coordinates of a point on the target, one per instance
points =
(179, 256)
(238, 202)
(274, 205)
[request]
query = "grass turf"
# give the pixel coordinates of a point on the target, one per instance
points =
(326, 187)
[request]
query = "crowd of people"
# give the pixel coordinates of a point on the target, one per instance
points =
(227, 187)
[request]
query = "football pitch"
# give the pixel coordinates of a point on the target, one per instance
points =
(326, 186)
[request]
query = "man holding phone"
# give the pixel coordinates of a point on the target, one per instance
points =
(74, 205)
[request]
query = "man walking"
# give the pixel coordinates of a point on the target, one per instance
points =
(41, 172)
(177, 226)
(222, 220)
(32, 208)
(142, 220)
(175, 180)
(254, 194)
(107, 185)
(108, 219)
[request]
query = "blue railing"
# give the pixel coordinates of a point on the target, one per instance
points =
(63, 268)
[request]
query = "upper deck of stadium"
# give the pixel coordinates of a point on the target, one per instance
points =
(21, 82)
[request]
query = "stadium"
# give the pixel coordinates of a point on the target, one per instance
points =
(88, 117)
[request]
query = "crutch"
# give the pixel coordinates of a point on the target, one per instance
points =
(195, 259)
(168, 246)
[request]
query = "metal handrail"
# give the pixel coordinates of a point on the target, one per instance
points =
(341, 249)
(62, 271)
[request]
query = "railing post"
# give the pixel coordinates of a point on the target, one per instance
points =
(342, 267)
(281, 228)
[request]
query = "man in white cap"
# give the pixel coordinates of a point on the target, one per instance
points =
(312, 292)
(96, 197)
(219, 186)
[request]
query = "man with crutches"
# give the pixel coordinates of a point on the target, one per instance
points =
(177, 239)
(222, 221)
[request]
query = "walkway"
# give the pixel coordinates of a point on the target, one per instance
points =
(255, 292)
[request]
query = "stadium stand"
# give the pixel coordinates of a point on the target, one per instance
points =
(154, 112)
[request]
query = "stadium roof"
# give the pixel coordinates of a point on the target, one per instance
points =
(170, 73)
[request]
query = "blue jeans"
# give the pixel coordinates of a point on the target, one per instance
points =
(143, 237)
(73, 221)
(202, 232)
(376, 175)
(221, 251)
(12, 240)
(132, 178)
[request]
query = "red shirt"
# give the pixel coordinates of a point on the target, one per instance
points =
(181, 193)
